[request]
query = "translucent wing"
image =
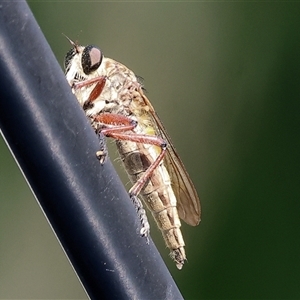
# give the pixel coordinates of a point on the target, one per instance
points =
(188, 204)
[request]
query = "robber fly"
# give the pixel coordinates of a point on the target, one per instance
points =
(113, 98)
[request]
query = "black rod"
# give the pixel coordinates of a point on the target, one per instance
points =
(54, 145)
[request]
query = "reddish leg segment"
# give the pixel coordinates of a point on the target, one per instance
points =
(100, 83)
(118, 127)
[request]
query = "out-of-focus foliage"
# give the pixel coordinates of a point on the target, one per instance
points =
(224, 78)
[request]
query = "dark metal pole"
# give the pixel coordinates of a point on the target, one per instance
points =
(55, 147)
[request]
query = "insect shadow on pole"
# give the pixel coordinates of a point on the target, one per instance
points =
(54, 146)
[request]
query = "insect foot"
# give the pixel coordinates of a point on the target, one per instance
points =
(145, 230)
(102, 153)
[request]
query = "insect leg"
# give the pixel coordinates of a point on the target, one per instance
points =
(144, 139)
(119, 131)
(117, 128)
(84, 83)
(102, 153)
(145, 230)
(97, 90)
(139, 184)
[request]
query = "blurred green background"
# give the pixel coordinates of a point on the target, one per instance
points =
(224, 78)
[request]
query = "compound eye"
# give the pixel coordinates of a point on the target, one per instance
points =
(91, 59)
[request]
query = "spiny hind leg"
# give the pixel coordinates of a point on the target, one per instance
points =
(141, 213)
(118, 127)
